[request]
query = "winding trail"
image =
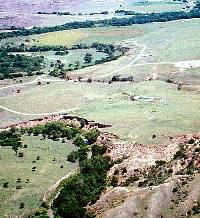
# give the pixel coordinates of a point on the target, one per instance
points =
(23, 84)
(129, 64)
(52, 189)
(56, 184)
(39, 114)
(40, 78)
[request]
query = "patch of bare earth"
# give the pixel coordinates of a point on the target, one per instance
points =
(164, 180)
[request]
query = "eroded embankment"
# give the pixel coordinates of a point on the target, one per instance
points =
(69, 119)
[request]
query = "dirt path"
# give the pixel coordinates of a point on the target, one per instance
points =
(42, 114)
(40, 78)
(23, 84)
(52, 189)
(56, 184)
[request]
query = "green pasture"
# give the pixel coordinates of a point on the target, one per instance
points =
(33, 183)
(171, 112)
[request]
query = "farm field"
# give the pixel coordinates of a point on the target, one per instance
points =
(34, 184)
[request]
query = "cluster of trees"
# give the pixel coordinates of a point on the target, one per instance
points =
(23, 48)
(68, 13)
(196, 7)
(88, 58)
(103, 12)
(54, 130)
(84, 187)
(124, 12)
(11, 138)
(122, 79)
(62, 53)
(83, 142)
(137, 19)
(56, 13)
(30, 64)
(11, 66)
(112, 53)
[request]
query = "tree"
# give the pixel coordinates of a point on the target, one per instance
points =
(78, 141)
(92, 136)
(88, 58)
(21, 205)
(72, 157)
(5, 185)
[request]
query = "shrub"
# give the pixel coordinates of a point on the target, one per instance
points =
(21, 206)
(5, 185)
(114, 181)
(180, 154)
(72, 157)
(78, 141)
(92, 136)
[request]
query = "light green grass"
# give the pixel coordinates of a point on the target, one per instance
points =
(171, 41)
(88, 36)
(73, 56)
(178, 112)
(46, 174)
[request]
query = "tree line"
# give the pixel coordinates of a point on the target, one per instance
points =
(86, 186)
(137, 19)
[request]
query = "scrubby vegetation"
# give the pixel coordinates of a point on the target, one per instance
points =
(187, 156)
(112, 53)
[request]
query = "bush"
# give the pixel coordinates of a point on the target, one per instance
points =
(72, 157)
(160, 162)
(21, 206)
(131, 179)
(92, 136)
(98, 150)
(40, 212)
(180, 154)
(5, 185)
(114, 181)
(78, 141)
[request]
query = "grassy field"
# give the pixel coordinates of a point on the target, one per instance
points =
(46, 174)
(87, 36)
(173, 112)
(171, 41)
(73, 56)
(164, 42)
(70, 58)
